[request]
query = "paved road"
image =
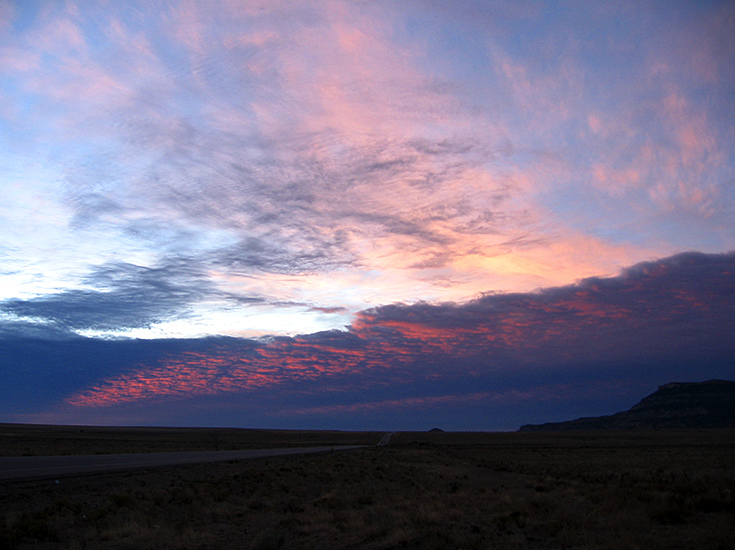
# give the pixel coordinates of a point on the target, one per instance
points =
(49, 467)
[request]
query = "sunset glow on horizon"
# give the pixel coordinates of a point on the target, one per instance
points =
(315, 213)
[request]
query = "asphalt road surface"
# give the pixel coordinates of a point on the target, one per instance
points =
(18, 468)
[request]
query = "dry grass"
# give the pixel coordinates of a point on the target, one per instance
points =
(39, 440)
(605, 491)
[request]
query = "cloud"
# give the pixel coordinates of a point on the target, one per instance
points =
(652, 318)
(118, 297)
(261, 168)
(195, 138)
(350, 154)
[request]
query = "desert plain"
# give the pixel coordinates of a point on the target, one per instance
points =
(601, 490)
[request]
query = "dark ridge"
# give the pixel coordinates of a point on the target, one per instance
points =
(708, 404)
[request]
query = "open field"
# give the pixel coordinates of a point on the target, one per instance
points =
(426, 490)
(40, 440)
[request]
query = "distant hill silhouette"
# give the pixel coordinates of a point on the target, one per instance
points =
(677, 405)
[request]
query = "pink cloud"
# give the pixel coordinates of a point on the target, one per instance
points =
(644, 311)
(14, 59)
(393, 405)
(399, 170)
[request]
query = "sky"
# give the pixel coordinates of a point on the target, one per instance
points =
(362, 214)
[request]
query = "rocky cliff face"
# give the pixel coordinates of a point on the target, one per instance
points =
(677, 405)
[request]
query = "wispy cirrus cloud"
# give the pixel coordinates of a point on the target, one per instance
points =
(333, 136)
